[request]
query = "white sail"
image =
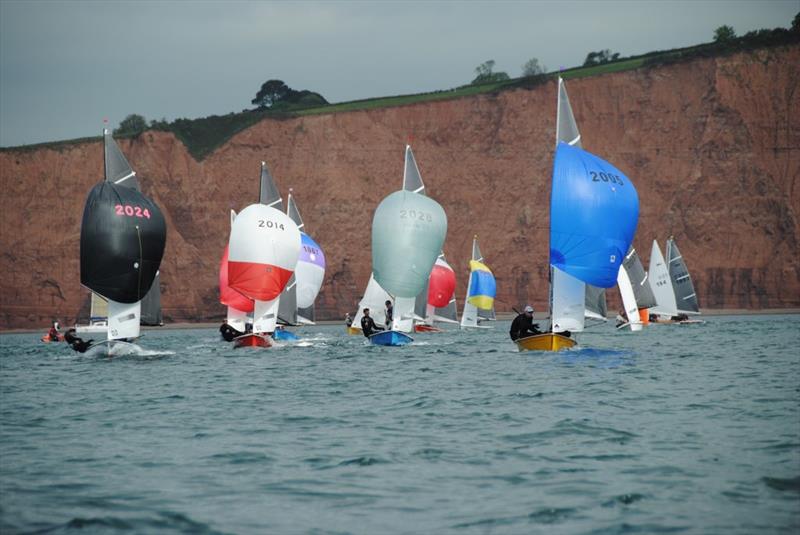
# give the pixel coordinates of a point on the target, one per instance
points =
(685, 295)
(374, 299)
(123, 320)
(238, 319)
(265, 315)
(404, 314)
(629, 300)
(568, 299)
(661, 284)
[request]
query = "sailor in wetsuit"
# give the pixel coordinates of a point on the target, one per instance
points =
(228, 332)
(368, 326)
(523, 325)
(75, 342)
(389, 314)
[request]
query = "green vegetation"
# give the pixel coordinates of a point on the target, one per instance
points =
(132, 125)
(485, 75)
(533, 68)
(276, 95)
(202, 136)
(600, 57)
(724, 33)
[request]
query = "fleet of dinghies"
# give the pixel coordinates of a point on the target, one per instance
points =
(272, 271)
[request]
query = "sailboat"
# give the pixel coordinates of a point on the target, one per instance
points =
(481, 291)
(374, 299)
(440, 305)
(634, 287)
(567, 132)
(672, 286)
(310, 271)
(263, 250)
(116, 167)
(123, 235)
(594, 210)
(408, 231)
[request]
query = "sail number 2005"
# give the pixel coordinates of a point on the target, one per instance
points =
(416, 215)
(131, 211)
(606, 177)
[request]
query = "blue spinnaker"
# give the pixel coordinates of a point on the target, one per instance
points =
(594, 209)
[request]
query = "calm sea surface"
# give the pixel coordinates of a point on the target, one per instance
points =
(678, 429)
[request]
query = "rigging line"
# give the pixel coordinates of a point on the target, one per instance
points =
(139, 274)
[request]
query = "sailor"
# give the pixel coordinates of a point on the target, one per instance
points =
(368, 326)
(75, 342)
(53, 333)
(348, 320)
(523, 325)
(621, 320)
(389, 314)
(228, 332)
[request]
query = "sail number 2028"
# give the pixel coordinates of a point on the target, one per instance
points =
(606, 177)
(416, 215)
(131, 211)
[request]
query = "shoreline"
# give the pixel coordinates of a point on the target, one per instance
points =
(503, 316)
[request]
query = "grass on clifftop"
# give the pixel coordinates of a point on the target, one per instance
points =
(203, 136)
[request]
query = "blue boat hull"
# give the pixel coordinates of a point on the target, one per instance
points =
(284, 335)
(390, 338)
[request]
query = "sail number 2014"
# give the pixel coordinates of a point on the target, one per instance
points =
(417, 215)
(266, 223)
(606, 177)
(131, 211)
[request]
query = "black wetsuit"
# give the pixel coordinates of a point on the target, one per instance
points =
(229, 333)
(75, 342)
(368, 326)
(523, 326)
(389, 316)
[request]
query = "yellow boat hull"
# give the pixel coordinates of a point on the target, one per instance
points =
(545, 342)
(353, 330)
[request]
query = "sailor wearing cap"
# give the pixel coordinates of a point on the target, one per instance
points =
(523, 325)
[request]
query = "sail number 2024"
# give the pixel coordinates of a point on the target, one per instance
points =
(606, 177)
(417, 215)
(131, 211)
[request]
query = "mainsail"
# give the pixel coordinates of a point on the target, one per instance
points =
(634, 289)
(685, 296)
(481, 290)
(123, 235)
(661, 284)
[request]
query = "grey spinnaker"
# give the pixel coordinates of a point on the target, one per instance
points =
(685, 296)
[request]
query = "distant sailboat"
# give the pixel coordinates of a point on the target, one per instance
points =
(594, 210)
(634, 287)
(672, 285)
(440, 305)
(481, 291)
(310, 271)
(123, 235)
(263, 250)
(408, 232)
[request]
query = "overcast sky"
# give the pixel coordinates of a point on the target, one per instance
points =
(65, 65)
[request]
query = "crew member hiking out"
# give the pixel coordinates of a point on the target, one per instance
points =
(523, 325)
(368, 326)
(389, 314)
(76, 342)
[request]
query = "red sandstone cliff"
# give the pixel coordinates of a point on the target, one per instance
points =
(713, 146)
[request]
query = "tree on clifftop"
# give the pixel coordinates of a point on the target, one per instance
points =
(485, 74)
(724, 33)
(532, 68)
(132, 125)
(600, 57)
(275, 94)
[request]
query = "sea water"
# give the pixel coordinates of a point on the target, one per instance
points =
(677, 429)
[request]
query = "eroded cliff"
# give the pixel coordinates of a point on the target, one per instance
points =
(713, 146)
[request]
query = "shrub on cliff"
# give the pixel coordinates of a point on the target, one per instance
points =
(600, 57)
(132, 125)
(724, 33)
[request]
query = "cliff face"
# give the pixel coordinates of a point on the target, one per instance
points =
(713, 147)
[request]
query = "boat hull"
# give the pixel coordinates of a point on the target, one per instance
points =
(287, 336)
(545, 342)
(251, 340)
(390, 338)
(423, 328)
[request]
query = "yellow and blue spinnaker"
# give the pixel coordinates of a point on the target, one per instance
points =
(482, 286)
